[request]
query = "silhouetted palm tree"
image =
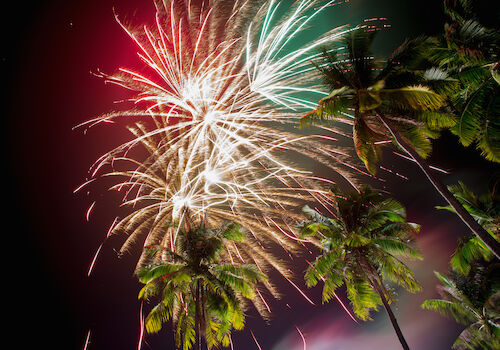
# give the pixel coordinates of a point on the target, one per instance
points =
(360, 247)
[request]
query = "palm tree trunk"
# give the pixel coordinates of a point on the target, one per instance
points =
(477, 229)
(198, 316)
(379, 287)
(393, 319)
(173, 334)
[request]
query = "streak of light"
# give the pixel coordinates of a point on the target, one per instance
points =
(302, 336)
(83, 185)
(264, 301)
(300, 290)
(89, 210)
(413, 160)
(91, 267)
(255, 340)
(87, 341)
(141, 323)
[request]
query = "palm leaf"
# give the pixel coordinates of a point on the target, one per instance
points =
(333, 281)
(416, 97)
(358, 44)
(363, 298)
(366, 149)
(468, 251)
(470, 119)
(395, 246)
(436, 120)
(159, 315)
(323, 265)
(233, 232)
(448, 308)
(489, 141)
(147, 274)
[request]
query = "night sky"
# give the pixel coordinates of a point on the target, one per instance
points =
(49, 49)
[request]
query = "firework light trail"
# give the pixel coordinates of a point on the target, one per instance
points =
(212, 117)
(211, 135)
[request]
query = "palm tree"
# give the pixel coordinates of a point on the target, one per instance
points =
(486, 211)
(385, 109)
(201, 293)
(360, 248)
(474, 302)
(469, 53)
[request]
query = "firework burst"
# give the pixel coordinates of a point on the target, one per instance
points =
(214, 117)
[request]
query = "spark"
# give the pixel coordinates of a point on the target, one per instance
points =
(89, 210)
(87, 340)
(302, 336)
(413, 160)
(91, 267)
(264, 301)
(255, 340)
(83, 185)
(141, 321)
(300, 291)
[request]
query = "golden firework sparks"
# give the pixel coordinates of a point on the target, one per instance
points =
(214, 116)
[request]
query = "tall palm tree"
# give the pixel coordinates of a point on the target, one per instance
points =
(360, 248)
(385, 109)
(469, 53)
(472, 302)
(201, 293)
(486, 211)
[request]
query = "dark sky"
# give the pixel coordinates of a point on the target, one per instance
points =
(49, 49)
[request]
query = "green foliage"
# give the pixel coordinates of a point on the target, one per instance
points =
(361, 246)
(485, 209)
(474, 301)
(377, 95)
(469, 250)
(469, 53)
(202, 294)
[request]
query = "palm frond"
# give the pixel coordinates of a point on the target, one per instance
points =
(416, 97)
(397, 247)
(333, 280)
(233, 232)
(489, 141)
(159, 315)
(363, 298)
(436, 120)
(364, 143)
(358, 47)
(147, 274)
(323, 265)
(448, 309)
(467, 252)
(393, 270)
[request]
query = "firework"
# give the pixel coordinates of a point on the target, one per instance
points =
(213, 119)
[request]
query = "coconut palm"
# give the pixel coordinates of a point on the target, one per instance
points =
(360, 248)
(474, 302)
(201, 293)
(469, 53)
(381, 109)
(486, 211)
